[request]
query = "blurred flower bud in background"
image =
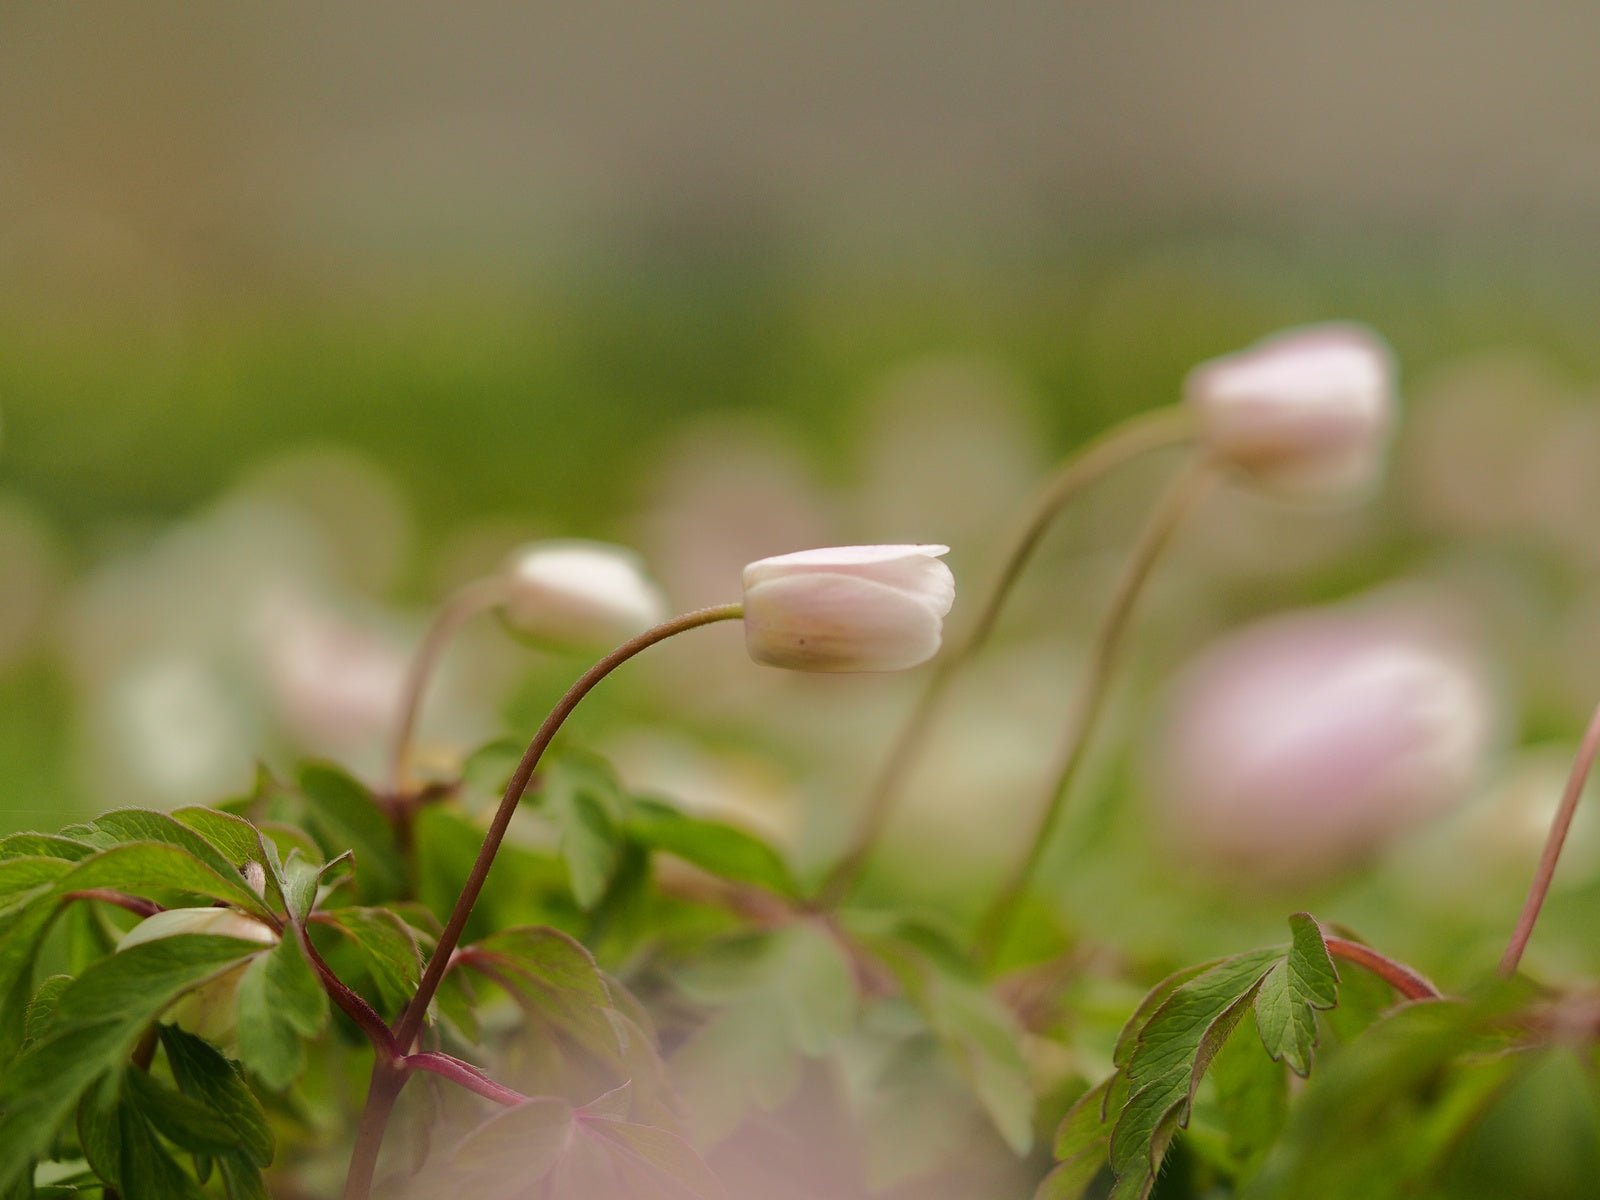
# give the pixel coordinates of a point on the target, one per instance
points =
(580, 594)
(1299, 745)
(209, 1009)
(848, 608)
(1305, 414)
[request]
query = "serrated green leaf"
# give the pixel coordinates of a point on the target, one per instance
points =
(279, 1002)
(29, 873)
(97, 1019)
(661, 1153)
(344, 816)
(182, 1120)
(1154, 999)
(591, 846)
(147, 1171)
(142, 825)
(43, 845)
(1287, 1001)
(527, 1140)
(1250, 1100)
(720, 849)
(1082, 1146)
(387, 947)
(556, 981)
(1171, 1054)
(43, 1006)
(202, 1072)
(981, 1036)
(236, 837)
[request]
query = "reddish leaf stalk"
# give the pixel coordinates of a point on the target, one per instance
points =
(1400, 977)
(387, 1080)
(1557, 838)
(464, 1074)
(137, 905)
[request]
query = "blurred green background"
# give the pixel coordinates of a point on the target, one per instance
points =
(716, 279)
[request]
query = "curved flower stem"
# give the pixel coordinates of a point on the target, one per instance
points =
(1540, 887)
(1163, 522)
(1400, 977)
(389, 1077)
(1138, 435)
(468, 601)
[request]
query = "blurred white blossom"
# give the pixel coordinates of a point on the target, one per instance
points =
(579, 594)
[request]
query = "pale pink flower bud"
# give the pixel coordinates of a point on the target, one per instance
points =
(847, 608)
(1306, 413)
(1302, 743)
(580, 594)
(209, 1009)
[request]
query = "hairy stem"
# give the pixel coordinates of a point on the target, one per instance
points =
(1400, 977)
(1134, 437)
(476, 597)
(387, 1078)
(1557, 838)
(464, 1074)
(1163, 522)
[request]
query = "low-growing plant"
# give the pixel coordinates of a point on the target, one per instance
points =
(381, 987)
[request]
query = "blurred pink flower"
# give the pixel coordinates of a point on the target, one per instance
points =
(1305, 413)
(1300, 744)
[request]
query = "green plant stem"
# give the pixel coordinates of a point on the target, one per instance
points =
(1559, 827)
(1163, 522)
(479, 596)
(1138, 435)
(388, 1076)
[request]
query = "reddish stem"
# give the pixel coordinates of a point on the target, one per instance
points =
(137, 905)
(1557, 838)
(386, 1084)
(464, 1074)
(1400, 977)
(349, 1001)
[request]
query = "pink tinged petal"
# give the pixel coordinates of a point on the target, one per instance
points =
(1307, 412)
(833, 622)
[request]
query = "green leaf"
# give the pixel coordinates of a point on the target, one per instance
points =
(43, 845)
(97, 1019)
(720, 849)
(182, 1120)
(42, 1008)
(142, 825)
(202, 1072)
(388, 948)
(147, 1171)
(584, 800)
(663, 1154)
(557, 983)
(1082, 1147)
(344, 816)
(1287, 1001)
(979, 1034)
(1171, 1053)
(279, 1002)
(22, 875)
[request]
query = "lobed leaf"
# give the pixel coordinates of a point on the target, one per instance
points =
(717, 848)
(1287, 1001)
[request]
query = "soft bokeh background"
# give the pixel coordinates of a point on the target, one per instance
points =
(308, 313)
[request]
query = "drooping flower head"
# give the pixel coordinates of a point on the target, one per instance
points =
(1305, 414)
(847, 608)
(1299, 744)
(580, 594)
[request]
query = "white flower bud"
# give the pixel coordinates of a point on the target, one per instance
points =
(581, 594)
(1305, 414)
(1301, 744)
(847, 608)
(208, 1010)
